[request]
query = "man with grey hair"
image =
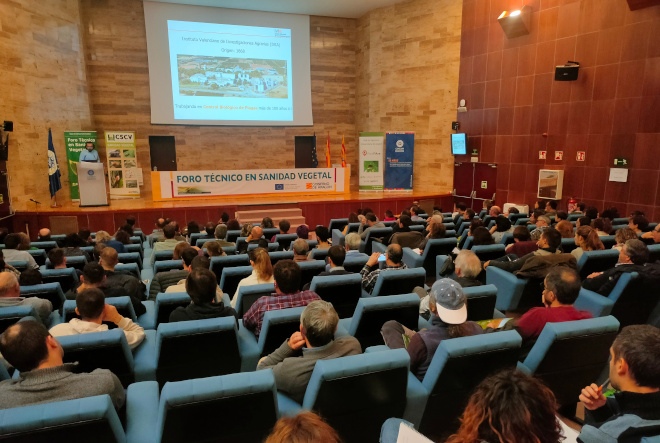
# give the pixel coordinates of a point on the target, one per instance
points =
(352, 244)
(467, 267)
(220, 235)
(293, 362)
(542, 223)
(371, 270)
(300, 250)
(10, 295)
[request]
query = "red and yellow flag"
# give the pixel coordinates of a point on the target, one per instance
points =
(343, 153)
(327, 153)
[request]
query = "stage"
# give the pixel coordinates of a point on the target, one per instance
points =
(317, 209)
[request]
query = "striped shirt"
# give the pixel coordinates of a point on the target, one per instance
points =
(370, 275)
(253, 319)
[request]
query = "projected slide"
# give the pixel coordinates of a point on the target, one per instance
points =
(230, 72)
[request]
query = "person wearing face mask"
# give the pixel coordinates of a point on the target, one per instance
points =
(90, 154)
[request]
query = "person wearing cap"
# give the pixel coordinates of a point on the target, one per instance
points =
(447, 303)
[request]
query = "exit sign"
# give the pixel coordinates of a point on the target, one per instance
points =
(620, 162)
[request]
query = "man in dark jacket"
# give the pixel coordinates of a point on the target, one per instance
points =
(548, 244)
(336, 256)
(119, 279)
(94, 277)
(201, 285)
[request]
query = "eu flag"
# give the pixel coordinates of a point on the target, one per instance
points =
(53, 167)
(315, 160)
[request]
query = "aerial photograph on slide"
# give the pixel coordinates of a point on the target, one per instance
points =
(232, 77)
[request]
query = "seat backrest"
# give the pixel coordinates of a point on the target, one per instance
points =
(597, 261)
(233, 235)
(198, 235)
(12, 314)
(467, 244)
(247, 295)
(272, 247)
(435, 247)
(246, 403)
(228, 261)
(319, 254)
(106, 350)
(480, 301)
(270, 233)
(123, 305)
(280, 255)
(310, 269)
(67, 277)
(46, 245)
(167, 265)
(489, 252)
(343, 291)
(48, 291)
(654, 253)
(277, 327)
(355, 263)
(356, 394)
(458, 366)
(375, 233)
(285, 240)
(337, 223)
(70, 420)
(129, 267)
(507, 238)
(39, 256)
(196, 349)
(569, 355)
(394, 282)
(164, 255)
(21, 265)
(131, 257)
(635, 297)
(166, 303)
(372, 313)
(608, 241)
(231, 277)
(568, 244)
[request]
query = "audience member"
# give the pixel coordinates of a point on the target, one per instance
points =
(469, 214)
(256, 237)
(94, 276)
(44, 378)
(632, 258)
(10, 295)
(302, 231)
(322, 236)
(306, 427)
(287, 275)
(86, 236)
(502, 226)
(561, 288)
(130, 221)
(352, 244)
(224, 218)
(561, 216)
(44, 235)
(188, 256)
(371, 270)
(213, 249)
(633, 410)
(404, 236)
(11, 252)
(127, 228)
(583, 221)
(284, 226)
(542, 223)
(30, 277)
(622, 235)
(449, 320)
(414, 214)
(533, 218)
(57, 258)
(494, 211)
(157, 234)
(551, 207)
(603, 226)
(586, 239)
(179, 248)
(124, 238)
(102, 237)
(300, 250)
(246, 229)
(293, 362)
(352, 218)
(435, 229)
(592, 213)
(168, 244)
(163, 280)
(262, 272)
(93, 311)
(335, 266)
(202, 286)
(638, 223)
(209, 230)
(510, 406)
(522, 242)
(220, 234)
(481, 236)
(192, 228)
(565, 228)
(72, 244)
(267, 223)
(233, 225)
(389, 216)
(121, 279)
(370, 221)
(548, 245)
(654, 234)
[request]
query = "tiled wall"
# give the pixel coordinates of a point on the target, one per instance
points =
(516, 109)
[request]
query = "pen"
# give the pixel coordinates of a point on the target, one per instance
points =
(605, 383)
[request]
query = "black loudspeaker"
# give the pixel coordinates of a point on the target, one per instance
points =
(567, 73)
(8, 126)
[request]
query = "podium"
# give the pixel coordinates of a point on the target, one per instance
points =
(91, 184)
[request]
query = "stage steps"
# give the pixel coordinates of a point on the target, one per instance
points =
(293, 215)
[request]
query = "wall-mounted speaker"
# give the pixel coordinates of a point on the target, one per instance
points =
(567, 73)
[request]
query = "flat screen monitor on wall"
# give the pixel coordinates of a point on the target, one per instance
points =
(217, 66)
(458, 144)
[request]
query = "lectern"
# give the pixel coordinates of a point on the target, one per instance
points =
(91, 184)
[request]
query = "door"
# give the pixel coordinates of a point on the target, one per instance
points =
(163, 152)
(304, 147)
(485, 179)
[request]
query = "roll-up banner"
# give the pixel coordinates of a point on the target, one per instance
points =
(75, 142)
(399, 156)
(123, 173)
(371, 161)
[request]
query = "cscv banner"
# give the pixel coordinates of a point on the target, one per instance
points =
(208, 184)
(399, 156)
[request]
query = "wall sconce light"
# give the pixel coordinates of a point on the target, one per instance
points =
(516, 23)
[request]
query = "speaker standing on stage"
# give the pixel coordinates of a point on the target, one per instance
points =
(90, 155)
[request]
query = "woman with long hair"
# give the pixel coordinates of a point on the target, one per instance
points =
(352, 218)
(586, 239)
(509, 406)
(262, 271)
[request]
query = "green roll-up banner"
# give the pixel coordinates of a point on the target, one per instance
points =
(75, 143)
